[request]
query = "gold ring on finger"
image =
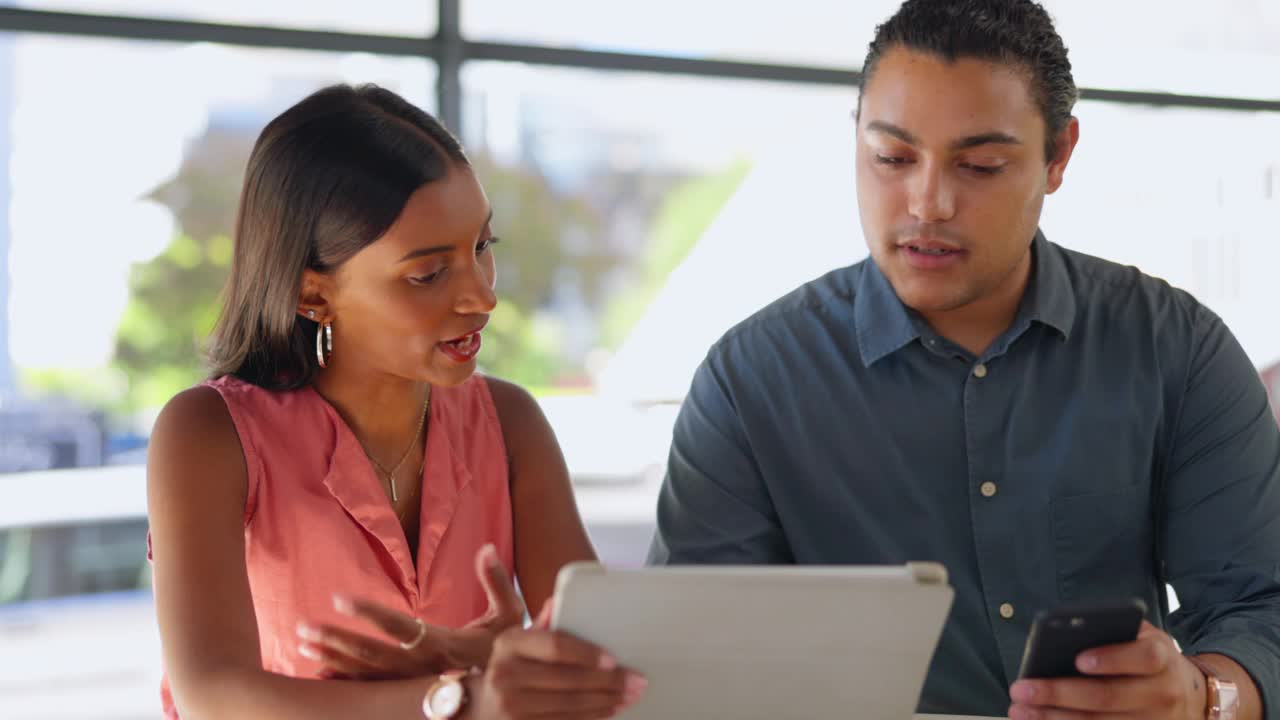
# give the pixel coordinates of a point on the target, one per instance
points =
(422, 632)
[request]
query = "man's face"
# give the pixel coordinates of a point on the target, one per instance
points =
(951, 176)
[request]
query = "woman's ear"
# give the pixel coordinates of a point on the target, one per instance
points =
(313, 296)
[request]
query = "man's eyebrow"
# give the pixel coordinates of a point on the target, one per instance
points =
(994, 137)
(987, 138)
(893, 131)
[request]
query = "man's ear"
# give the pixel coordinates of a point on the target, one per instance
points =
(1063, 148)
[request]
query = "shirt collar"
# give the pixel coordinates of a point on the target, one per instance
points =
(884, 325)
(1050, 299)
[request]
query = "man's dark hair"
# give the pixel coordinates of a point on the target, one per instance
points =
(1013, 32)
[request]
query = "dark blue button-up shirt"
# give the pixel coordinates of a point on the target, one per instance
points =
(1115, 438)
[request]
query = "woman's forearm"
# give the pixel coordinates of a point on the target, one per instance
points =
(258, 694)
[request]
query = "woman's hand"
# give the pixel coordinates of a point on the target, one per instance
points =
(418, 648)
(545, 674)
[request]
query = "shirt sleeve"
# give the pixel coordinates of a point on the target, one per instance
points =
(714, 507)
(1221, 536)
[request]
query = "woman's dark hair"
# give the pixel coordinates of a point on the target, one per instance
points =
(1014, 32)
(325, 179)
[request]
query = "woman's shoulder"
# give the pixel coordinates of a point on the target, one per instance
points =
(262, 414)
(221, 428)
(511, 402)
(197, 412)
(524, 426)
(515, 411)
(193, 434)
(226, 415)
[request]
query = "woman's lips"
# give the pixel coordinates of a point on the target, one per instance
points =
(463, 349)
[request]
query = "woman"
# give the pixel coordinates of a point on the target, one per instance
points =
(346, 448)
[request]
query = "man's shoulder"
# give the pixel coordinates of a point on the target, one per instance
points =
(801, 310)
(1113, 288)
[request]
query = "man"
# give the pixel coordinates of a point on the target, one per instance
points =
(1052, 427)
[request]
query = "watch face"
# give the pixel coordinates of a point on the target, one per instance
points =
(445, 701)
(1228, 700)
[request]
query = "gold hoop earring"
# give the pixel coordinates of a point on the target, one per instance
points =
(324, 343)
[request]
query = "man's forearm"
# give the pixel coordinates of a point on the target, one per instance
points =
(1250, 707)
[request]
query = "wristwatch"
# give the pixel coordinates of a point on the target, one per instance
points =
(446, 697)
(1224, 696)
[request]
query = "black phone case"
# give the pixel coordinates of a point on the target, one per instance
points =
(1059, 635)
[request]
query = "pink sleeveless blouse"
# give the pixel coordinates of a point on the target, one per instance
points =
(317, 520)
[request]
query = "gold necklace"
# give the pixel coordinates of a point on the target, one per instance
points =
(391, 474)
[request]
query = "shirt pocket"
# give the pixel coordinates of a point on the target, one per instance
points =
(1102, 544)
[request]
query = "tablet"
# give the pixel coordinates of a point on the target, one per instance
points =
(763, 642)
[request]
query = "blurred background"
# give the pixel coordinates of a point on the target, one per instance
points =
(659, 170)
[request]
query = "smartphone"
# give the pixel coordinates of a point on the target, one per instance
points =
(1059, 635)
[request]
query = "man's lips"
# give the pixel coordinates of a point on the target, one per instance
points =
(929, 245)
(930, 255)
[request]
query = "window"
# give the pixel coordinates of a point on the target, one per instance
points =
(814, 32)
(605, 182)
(387, 17)
(644, 213)
(51, 562)
(1229, 49)
(1192, 196)
(158, 136)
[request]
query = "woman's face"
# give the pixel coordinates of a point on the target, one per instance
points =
(412, 303)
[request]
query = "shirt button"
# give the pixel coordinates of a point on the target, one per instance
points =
(988, 489)
(980, 371)
(1006, 611)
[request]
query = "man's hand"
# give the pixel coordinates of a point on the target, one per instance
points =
(1146, 678)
